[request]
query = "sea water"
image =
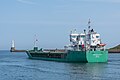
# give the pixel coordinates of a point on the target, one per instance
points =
(17, 66)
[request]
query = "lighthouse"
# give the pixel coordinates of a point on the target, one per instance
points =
(13, 46)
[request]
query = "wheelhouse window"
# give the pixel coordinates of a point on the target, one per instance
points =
(97, 36)
(82, 36)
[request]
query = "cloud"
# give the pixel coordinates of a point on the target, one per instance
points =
(26, 1)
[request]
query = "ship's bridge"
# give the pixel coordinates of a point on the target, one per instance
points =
(82, 39)
(73, 37)
(94, 39)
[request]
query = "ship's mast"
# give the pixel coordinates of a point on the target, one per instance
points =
(35, 42)
(89, 25)
(89, 34)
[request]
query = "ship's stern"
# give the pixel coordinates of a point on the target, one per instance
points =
(97, 56)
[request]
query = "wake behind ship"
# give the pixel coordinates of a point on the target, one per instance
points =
(84, 47)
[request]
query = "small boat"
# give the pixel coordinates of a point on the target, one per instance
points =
(83, 47)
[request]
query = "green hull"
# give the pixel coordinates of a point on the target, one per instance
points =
(70, 56)
(97, 56)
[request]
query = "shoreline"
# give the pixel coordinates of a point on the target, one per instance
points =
(113, 51)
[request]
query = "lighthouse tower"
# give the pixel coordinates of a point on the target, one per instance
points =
(13, 46)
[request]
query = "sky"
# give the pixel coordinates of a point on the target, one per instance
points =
(52, 20)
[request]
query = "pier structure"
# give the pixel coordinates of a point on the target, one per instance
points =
(13, 49)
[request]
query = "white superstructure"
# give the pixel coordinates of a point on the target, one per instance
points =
(93, 38)
(77, 40)
(85, 41)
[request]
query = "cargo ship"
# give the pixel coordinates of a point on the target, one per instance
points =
(83, 47)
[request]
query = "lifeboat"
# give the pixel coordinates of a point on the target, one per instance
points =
(102, 44)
